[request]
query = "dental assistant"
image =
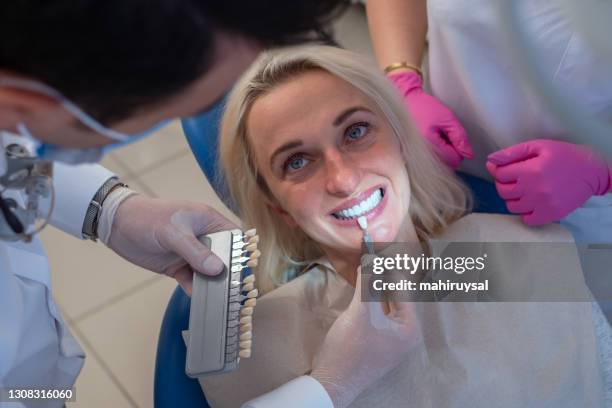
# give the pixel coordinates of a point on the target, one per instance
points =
(542, 172)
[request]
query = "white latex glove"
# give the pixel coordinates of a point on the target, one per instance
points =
(363, 345)
(160, 235)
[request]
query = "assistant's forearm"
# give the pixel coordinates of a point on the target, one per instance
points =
(398, 29)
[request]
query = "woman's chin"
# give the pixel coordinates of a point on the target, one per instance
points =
(384, 233)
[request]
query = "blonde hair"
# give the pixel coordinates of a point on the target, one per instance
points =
(437, 197)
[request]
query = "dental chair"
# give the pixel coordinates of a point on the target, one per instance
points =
(172, 387)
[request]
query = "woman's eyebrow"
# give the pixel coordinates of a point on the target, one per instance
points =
(348, 112)
(283, 148)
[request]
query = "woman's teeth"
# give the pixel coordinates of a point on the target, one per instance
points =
(363, 207)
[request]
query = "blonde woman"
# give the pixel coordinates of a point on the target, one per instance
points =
(314, 137)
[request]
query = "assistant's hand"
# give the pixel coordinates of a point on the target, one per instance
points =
(161, 235)
(363, 345)
(434, 120)
(545, 180)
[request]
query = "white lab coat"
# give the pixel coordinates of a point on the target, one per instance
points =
(472, 71)
(36, 347)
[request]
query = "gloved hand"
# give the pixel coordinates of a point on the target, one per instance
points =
(545, 180)
(434, 120)
(363, 345)
(160, 235)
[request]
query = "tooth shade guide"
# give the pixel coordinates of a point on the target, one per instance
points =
(222, 319)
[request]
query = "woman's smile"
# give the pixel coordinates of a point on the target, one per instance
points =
(369, 203)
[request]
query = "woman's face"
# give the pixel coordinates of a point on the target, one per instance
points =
(329, 156)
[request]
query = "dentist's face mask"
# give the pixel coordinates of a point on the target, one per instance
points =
(50, 152)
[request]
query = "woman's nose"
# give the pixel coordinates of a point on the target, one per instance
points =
(342, 174)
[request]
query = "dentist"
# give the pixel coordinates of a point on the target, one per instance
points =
(77, 76)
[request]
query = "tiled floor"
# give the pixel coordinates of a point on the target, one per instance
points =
(115, 308)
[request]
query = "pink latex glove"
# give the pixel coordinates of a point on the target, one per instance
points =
(545, 180)
(434, 120)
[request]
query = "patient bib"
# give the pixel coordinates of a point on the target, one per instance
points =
(474, 354)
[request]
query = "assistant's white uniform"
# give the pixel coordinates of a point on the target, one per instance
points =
(473, 72)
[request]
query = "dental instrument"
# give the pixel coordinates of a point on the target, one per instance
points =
(220, 319)
(367, 239)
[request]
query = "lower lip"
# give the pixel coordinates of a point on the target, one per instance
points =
(369, 215)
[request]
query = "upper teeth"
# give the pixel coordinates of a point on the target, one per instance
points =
(363, 207)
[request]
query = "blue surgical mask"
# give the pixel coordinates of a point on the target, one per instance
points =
(47, 151)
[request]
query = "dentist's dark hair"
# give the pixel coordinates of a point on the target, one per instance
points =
(114, 57)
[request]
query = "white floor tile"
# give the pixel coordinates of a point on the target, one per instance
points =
(162, 145)
(110, 162)
(86, 275)
(182, 179)
(94, 387)
(125, 336)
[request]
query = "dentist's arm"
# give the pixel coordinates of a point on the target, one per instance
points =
(75, 186)
(158, 235)
(361, 347)
(398, 29)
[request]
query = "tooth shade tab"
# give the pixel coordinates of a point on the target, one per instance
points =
(363, 223)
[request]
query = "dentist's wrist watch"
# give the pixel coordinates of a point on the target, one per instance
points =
(90, 224)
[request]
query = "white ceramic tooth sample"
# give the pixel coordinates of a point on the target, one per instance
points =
(246, 327)
(253, 293)
(246, 319)
(248, 287)
(253, 240)
(251, 233)
(252, 263)
(363, 223)
(246, 353)
(249, 279)
(246, 344)
(246, 311)
(256, 254)
(250, 302)
(251, 247)
(246, 336)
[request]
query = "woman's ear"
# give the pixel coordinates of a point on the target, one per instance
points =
(286, 217)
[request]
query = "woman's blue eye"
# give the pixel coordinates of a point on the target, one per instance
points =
(357, 131)
(295, 163)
